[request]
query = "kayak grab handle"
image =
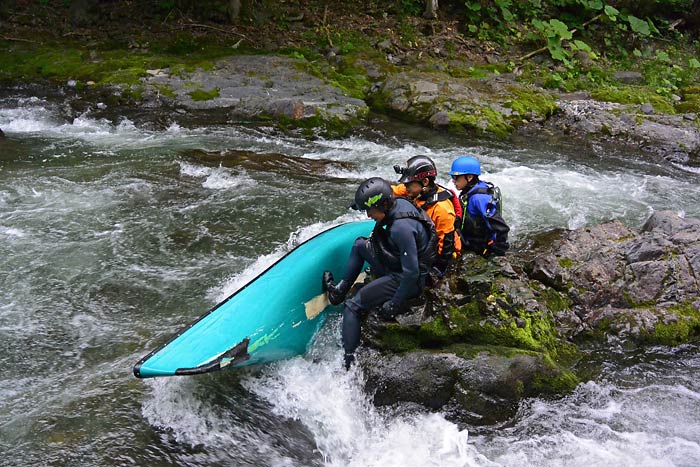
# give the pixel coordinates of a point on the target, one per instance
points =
(233, 356)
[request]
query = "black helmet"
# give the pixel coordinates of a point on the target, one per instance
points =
(418, 168)
(372, 193)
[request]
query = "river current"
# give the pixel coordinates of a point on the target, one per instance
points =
(113, 237)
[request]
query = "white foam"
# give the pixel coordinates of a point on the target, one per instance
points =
(348, 430)
(263, 262)
(12, 232)
(217, 178)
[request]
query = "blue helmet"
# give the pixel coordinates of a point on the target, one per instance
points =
(465, 165)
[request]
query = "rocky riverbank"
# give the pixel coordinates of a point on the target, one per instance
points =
(335, 96)
(499, 330)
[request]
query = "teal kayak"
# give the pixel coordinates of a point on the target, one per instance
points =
(273, 317)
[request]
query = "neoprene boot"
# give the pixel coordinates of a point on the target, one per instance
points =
(336, 292)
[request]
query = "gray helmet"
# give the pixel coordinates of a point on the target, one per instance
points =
(418, 168)
(374, 192)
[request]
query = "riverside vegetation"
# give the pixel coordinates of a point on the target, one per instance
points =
(616, 73)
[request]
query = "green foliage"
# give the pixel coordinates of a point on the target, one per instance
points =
(409, 7)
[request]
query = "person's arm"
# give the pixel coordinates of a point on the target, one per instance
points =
(403, 236)
(481, 205)
(496, 242)
(443, 217)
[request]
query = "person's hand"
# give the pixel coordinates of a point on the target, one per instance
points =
(494, 248)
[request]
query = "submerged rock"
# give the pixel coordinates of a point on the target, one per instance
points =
(283, 164)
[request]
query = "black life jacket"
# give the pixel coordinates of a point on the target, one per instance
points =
(475, 227)
(387, 254)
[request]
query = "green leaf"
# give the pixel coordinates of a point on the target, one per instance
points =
(639, 25)
(580, 45)
(594, 4)
(560, 28)
(507, 15)
(652, 27)
(637, 53)
(539, 24)
(662, 56)
(556, 50)
(611, 12)
(694, 63)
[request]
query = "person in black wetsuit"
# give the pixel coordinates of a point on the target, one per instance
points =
(400, 251)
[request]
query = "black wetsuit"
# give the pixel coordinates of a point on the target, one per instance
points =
(413, 245)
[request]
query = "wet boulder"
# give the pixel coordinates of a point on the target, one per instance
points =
(637, 285)
(480, 341)
(494, 106)
(470, 384)
(258, 88)
(656, 132)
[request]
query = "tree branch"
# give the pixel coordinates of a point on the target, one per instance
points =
(573, 31)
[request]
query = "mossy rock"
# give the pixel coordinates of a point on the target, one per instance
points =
(690, 104)
(684, 328)
(200, 95)
(527, 101)
(633, 95)
(481, 120)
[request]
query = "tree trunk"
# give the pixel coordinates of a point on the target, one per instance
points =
(234, 10)
(431, 8)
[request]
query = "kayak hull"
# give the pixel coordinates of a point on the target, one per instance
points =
(273, 317)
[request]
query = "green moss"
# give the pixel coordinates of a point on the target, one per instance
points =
(529, 100)
(469, 351)
(633, 95)
(166, 90)
(566, 263)
(691, 100)
(321, 123)
(557, 382)
(61, 61)
(555, 301)
(476, 71)
(685, 328)
(202, 95)
(351, 80)
(482, 120)
(513, 328)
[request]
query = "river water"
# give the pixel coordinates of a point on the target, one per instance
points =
(113, 237)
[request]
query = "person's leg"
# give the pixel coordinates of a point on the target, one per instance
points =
(372, 295)
(361, 251)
